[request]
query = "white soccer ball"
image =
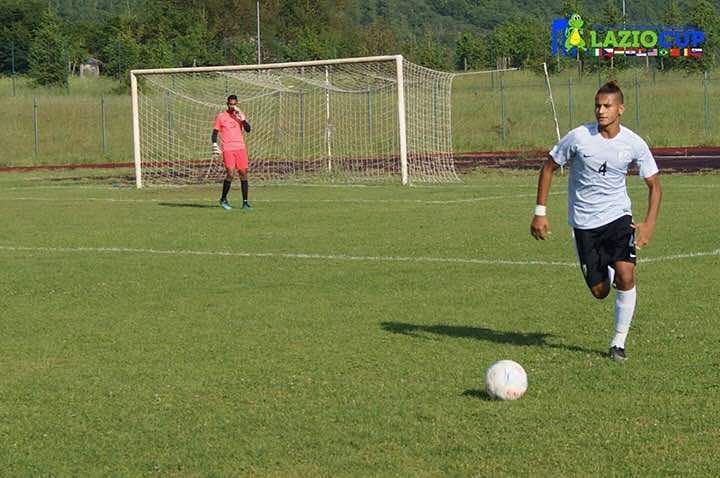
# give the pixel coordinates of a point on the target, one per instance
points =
(505, 380)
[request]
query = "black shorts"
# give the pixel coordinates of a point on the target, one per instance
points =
(598, 248)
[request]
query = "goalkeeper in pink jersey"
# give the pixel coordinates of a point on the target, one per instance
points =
(231, 124)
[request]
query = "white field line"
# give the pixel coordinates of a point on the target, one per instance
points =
(675, 257)
(283, 255)
(69, 187)
(66, 200)
(337, 257)
(212, 201)
(131, 187)
(259, 184)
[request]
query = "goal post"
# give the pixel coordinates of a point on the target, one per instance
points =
(136, 130)
(350, 120)
(402, 125)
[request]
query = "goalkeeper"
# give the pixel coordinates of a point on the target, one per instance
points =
(231, 124)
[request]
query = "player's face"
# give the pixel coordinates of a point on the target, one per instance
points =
(231, 105)
(608, 109)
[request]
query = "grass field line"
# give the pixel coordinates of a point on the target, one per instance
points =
(181, 186)
(256, 184)
(213, 200)
(261, 185)
(68, 187)
(337, 257)
(557, 192)
(688, 255)
(285, 255)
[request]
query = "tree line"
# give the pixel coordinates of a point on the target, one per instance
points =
(49, 39)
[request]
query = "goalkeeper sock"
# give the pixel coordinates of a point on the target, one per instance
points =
(226, 189)
(244, 187)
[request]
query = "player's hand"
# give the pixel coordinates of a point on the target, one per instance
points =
(240, 115)
(540, 228)
(643, 233)
(216, 149)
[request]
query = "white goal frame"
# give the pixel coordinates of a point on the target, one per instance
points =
(402, 114)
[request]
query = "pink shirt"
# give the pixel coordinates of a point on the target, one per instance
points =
(231, 132)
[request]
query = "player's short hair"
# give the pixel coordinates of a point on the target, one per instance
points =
(611, 87)
(232, 97)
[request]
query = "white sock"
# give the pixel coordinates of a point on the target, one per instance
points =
(611, 275)
(624, 310)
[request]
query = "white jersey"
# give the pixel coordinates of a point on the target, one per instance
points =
(597, 194)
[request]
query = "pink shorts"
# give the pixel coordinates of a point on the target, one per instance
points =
(237, 159)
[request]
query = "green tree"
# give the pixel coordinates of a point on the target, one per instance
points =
(704, 15)
(48, 58)
(157, 53)
(77, 50)
(431, 53)
(523, 42)
(311, 44)
(471, 52)
(611, 14)
(612, 19)
(568, 7)
(19, 21)
(241, 51)
(378, 38)
(672, 17)
(195, 46)
(121, 55)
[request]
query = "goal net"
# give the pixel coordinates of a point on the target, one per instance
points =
(351, 120)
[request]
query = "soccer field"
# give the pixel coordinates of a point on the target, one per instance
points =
(345, 331)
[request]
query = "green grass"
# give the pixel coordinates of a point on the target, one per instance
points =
(667, 109)
(330, 333)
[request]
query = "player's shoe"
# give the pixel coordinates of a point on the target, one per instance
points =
(246, 205)
(617, 354)
(225, 205)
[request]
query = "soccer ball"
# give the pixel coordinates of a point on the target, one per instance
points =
(505, 380)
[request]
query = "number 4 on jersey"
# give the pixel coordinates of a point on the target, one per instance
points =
(603, 168)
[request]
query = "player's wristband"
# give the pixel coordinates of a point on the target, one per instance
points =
(540, 210)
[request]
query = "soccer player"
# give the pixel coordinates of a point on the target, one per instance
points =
(606, 238)
(230, 125)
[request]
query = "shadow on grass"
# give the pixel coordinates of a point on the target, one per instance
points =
(479, 394)
(535, 339)
(187, 204)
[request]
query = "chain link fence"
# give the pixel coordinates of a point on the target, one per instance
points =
(89, 124)
(511, 110)
(54, 126)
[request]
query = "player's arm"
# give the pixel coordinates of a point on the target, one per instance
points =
(645, 229)
(214, 139)
(540, 227)
(241, 117)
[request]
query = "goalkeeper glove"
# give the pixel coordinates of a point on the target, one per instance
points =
(215, 148)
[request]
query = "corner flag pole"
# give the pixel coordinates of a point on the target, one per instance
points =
(552, 103)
